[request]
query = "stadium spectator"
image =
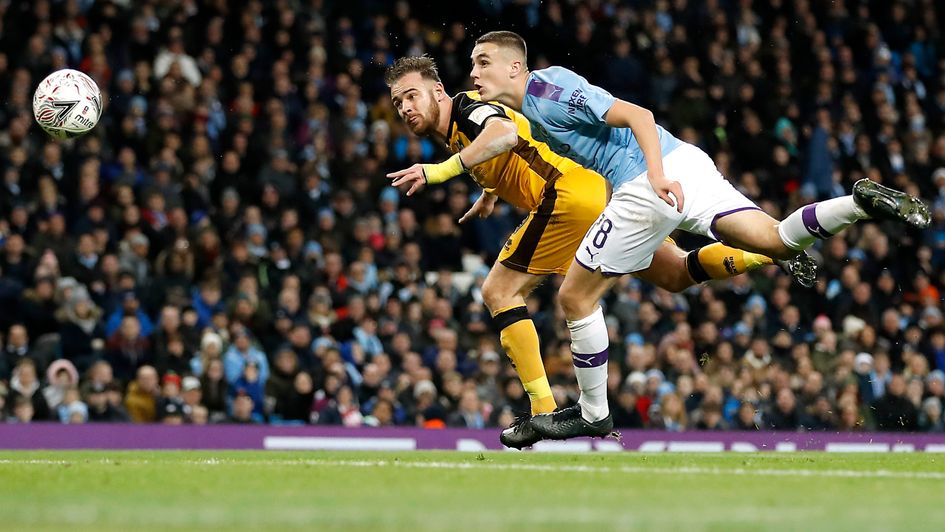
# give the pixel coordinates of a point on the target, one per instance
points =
(142, 396)
(25, 385)
(62, 377)
(231, 207)
(242, 353)
(100, 408)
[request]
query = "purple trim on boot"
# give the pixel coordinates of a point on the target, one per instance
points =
(589, 361)
(547, 91)
(812, 224)
(720, 215)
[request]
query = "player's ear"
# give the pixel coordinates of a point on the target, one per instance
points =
(439, 92)
(515, 69)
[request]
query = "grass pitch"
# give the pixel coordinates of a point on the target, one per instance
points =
(468, 491)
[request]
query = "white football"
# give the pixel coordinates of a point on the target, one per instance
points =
(67, 104)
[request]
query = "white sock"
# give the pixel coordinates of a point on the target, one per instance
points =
(819, 221)
(589, 345)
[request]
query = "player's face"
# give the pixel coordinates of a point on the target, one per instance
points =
(416, 101)
(491, 68)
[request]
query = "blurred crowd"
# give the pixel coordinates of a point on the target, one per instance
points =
(224, 246)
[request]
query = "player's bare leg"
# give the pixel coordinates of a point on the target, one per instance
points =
(504, 293)
(756, 231)
(579, 296)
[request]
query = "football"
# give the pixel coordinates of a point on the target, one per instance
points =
(67, 104)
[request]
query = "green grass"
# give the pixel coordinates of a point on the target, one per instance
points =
(468, 491)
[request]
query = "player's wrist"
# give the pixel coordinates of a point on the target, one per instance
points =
(441, 172)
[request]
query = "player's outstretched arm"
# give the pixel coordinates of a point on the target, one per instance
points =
(497, 137)
(640, 120)
(482, 208)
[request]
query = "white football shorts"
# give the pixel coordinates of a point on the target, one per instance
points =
(636, 221)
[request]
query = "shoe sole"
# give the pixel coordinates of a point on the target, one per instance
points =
(804, 276)
(883, 202)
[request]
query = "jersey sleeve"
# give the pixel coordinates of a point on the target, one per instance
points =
(472, 115)
(568, 99)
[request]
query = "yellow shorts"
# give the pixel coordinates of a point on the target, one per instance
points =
(546, 240)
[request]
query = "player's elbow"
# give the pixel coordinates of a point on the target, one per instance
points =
(625, 114)
(643, 115)
(507, 137)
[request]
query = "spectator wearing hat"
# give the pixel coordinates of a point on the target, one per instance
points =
(207, 301)
(250, 384)
(243, 410)
(427, 411)
(170, 389)
(172, 412)
(242, 352)
(211, 348)
(62, 376)
(127, 349)
(129, 305)
(191, 394)
(100, 409)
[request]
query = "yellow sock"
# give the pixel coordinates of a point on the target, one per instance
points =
(520, 341)
(718, 261)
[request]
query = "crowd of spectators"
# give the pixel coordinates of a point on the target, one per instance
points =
(223, 246)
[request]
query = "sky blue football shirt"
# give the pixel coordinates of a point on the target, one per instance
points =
(569, 114)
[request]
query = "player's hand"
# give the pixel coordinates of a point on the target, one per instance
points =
(664, 187)
(413, 175)
(482, 208)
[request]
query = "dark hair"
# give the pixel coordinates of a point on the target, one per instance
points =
(423, 64)
(505, 39)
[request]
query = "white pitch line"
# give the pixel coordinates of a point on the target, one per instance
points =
(631, 470)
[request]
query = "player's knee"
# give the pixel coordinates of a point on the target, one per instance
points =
(574, 304)
(495, 295)
(678, 281)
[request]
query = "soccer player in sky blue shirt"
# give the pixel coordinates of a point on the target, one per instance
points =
(659, 184)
